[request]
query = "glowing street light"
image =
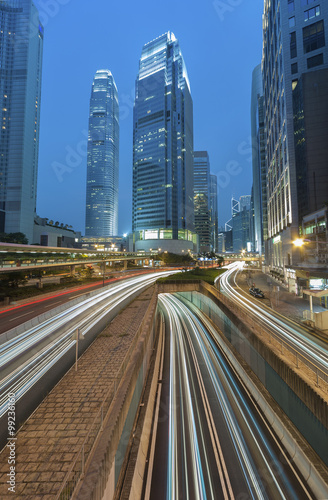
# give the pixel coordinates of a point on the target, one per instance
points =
(299, 242)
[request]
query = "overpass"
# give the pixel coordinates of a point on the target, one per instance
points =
(33, 257)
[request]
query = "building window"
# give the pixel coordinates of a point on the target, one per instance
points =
(292, 22)
(313, 37)
(291, 6)
(294, 68)
(312, 62)
(293, 47)
(307, 2)
(312, 13)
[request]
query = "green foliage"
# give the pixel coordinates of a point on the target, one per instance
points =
(197, 274)
(172, 258)
(12, 280)
(87, 273)
(18, 238)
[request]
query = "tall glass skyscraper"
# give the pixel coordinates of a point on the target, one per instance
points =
(21, 45)
(103, 158)
(163, 212)
(214, 213)
(259, 164)
(202, 199)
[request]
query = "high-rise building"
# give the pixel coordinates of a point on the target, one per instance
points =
(163, 180)
(103, 158)
(202, 200)
(245, 202)
(259, 164)
(21, 46)
(310, 104)
(294, 44)
(214, 213)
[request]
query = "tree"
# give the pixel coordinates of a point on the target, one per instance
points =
(172, 258)
(18, 238)
(13, 279)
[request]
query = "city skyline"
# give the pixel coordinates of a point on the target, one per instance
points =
(63, 159)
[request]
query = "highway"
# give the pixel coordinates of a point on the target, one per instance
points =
(300, 339)
(14, 315)
(25, 359)
(211, 440)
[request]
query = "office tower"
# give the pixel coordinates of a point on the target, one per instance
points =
(294, 45)
(21, 45)
(241, 230)
(202, 200)
(310, 103)
(214, 213)
(259, 164)
(245, 202)
(163, 210)
(103, 158)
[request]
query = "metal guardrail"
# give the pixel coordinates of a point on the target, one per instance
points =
(77, 469)
(270, 333)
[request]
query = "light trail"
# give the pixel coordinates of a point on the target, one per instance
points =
(296, 337)
(26, 358)
(197, 365)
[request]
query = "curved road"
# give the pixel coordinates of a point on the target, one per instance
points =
(313, 350)
(25, 359)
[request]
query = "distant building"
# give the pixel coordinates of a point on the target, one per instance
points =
(228, 241)
(21, 47)
(245, 202)
(110, 244)
(294, 49)
(163, 179)
(53, 234)
(202, 200)
(221, 243)
(259, 164)
(241, 230)
(214, 213)
(103, 158)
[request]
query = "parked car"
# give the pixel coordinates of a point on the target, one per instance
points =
(256, 292)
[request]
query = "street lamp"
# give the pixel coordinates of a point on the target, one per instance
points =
(299, 242)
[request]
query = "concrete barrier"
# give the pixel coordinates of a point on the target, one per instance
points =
(317, 483)
(141, 462)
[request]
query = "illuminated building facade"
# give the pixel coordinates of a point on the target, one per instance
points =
(294, 43)
(103, 158)
(202, 199)
(21, 46)
(163, 209)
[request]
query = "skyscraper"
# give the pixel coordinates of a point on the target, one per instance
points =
(21, 46)
(163, 214)
(103, 158)
(294, 44)
(259, 165)
(214, 213)
(202, 199)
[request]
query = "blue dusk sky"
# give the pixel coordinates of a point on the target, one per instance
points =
(221, 43)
